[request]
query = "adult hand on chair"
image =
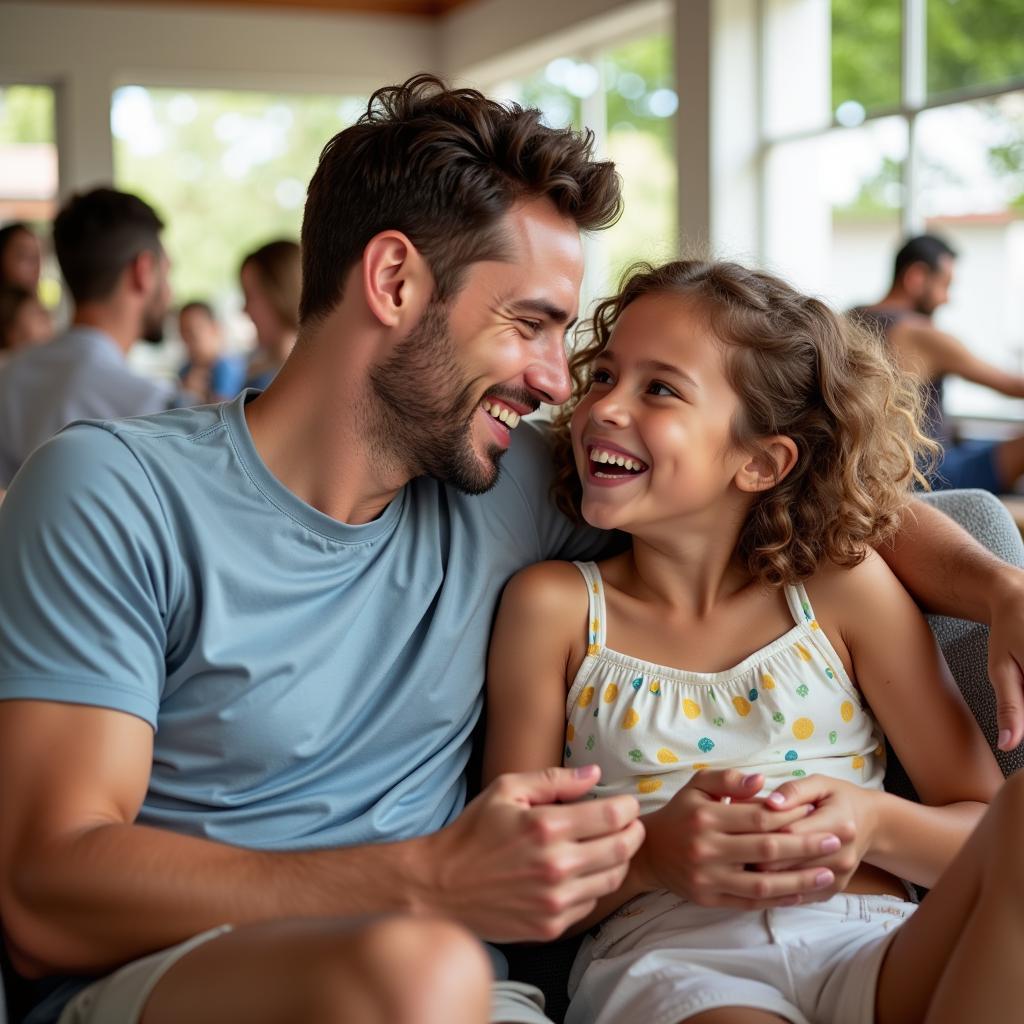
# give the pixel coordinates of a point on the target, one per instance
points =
(1006, 656)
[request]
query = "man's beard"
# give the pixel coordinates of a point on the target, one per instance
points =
(153, 323)
(419, 414)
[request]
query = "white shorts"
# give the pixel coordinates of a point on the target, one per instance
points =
(661, 960)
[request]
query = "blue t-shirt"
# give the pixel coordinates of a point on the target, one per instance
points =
(310, 683)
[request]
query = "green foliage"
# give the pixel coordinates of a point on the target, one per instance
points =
(866, 52)
(26, 114)
(226, 170)
(974, 42)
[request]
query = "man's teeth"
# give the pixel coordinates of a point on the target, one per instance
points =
(502, 413)
(604, 457)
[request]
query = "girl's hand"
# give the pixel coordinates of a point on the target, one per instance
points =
(841, 808)
(702, 843)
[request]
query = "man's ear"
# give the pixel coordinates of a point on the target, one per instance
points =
(141, 272)
(775, 457)
(915, 277)
(397, 280)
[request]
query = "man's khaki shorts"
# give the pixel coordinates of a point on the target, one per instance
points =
(119, 998)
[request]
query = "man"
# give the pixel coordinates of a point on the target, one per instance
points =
(256, 633)
(921, 281)
(108, 247)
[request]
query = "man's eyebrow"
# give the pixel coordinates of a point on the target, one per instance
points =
(544, 308)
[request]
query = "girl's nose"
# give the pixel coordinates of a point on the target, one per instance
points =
(610, 409)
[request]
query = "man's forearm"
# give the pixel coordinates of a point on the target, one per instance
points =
(945, 568)
(116, 892)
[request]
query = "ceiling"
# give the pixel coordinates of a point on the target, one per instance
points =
(419, 8)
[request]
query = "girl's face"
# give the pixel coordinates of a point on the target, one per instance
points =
(22, 260)
(652, 437)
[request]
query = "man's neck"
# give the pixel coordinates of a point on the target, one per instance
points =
(896, 299)
(120, 326)
(308, 430)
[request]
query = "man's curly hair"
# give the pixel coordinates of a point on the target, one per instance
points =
(443, 166)
(803, 371)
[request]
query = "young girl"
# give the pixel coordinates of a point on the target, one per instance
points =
(757, 447)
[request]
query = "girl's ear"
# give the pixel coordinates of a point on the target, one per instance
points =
(773, 461)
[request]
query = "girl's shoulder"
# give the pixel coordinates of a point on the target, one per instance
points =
(556, 589)
(844, 595)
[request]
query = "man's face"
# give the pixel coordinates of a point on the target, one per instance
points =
(452, 392)
(155, 310)
(932, 289)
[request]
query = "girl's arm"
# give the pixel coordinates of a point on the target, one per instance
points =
(950, 573)
(904, 678)
(540, 630)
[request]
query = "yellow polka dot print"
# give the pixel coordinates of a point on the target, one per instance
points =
(802, 651)
(691, 708)
(858, 762)
(767, 681)
(665, 756)
(846, 710)
(570, 732)
(595, 626)
(699, 766)
(593, 649)
(630, 718)
(611, 691)
(742, 705)
(803, 728)
(648, 785)
(586, 697)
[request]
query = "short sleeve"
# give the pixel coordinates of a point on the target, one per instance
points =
(532, 468)
(84, 577)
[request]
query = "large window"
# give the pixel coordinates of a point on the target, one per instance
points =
(909, 118)
(624, 92)
(227, 171)
(28, 167)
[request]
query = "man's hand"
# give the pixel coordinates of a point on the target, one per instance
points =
(703, 844)
(840, 808)
(1006, 656)
(519, 866)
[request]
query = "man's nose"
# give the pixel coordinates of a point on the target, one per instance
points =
(549, 376)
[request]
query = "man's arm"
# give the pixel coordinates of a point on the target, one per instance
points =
(945, 354)
(84, 888)
(950, 573)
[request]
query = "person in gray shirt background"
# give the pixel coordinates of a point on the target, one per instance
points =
(109, 250)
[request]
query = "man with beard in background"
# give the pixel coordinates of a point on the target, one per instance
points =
(108, 247)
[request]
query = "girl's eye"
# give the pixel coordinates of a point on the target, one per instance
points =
(660, 390)
(600, 377)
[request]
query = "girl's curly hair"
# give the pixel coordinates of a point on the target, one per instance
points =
(804, 371)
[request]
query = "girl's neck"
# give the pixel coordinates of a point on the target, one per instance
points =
(687, 568)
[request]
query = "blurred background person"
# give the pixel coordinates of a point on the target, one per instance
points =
(271, 280)
(922, 277)
(24, 321)
(21, 256)
(208, 372)
(109, 250)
